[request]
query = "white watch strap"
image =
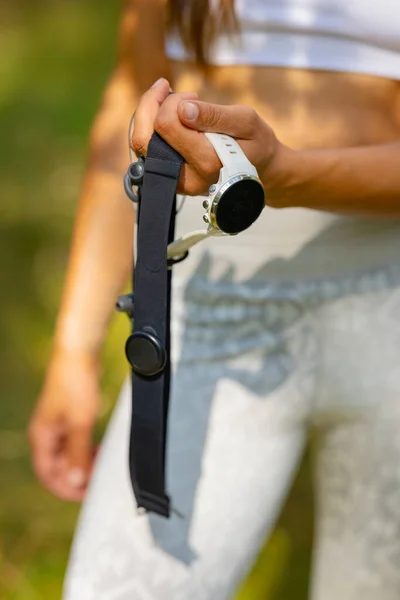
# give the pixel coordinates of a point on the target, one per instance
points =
(180, 246)
(230, 154)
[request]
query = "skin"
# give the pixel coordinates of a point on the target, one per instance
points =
(323, 140)
(359, 180)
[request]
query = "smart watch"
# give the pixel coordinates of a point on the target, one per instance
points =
(235, 201)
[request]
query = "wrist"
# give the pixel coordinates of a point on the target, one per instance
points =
(79, 331)
(282, 177)
(85, 356)
(71, 343)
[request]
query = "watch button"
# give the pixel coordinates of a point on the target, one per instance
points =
(206, 218)
(212, 188)
(206, 204)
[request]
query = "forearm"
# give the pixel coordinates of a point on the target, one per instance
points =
(101, 252)
(363, 180)
(100, 262)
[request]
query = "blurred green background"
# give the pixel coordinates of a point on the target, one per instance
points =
(55, 57)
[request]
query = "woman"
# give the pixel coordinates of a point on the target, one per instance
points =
(290, 326)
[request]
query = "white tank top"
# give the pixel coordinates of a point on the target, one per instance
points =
(360, 36)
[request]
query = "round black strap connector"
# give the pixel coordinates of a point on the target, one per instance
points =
(126, 304)
(145, 353)
(136, 172)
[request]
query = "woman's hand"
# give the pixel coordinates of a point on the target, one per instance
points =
(181, 119)
(60, 431)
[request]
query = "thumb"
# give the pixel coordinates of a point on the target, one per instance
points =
(79, 455)
(236, 121)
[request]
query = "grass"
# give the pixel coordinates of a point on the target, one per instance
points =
(55, 58)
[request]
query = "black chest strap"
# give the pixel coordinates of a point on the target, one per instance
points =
(148, 348)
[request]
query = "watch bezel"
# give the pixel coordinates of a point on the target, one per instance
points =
(222, 190)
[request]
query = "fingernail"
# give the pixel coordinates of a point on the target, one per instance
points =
(155, 84)
(76, 477)
(190, 111)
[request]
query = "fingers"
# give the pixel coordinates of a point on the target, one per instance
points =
(181, 119)
(146, 113)
(237, 121)
(45, 444)
(192, 145)
(79, 453)
(55, 459)
(47, 459)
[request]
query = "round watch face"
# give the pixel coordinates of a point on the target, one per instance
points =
(239, 206)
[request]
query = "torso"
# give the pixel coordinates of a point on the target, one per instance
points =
(307, 108)
(323, 73)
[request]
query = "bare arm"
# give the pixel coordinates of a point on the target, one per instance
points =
(363, 180)
(100, 262)
(101, 255)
